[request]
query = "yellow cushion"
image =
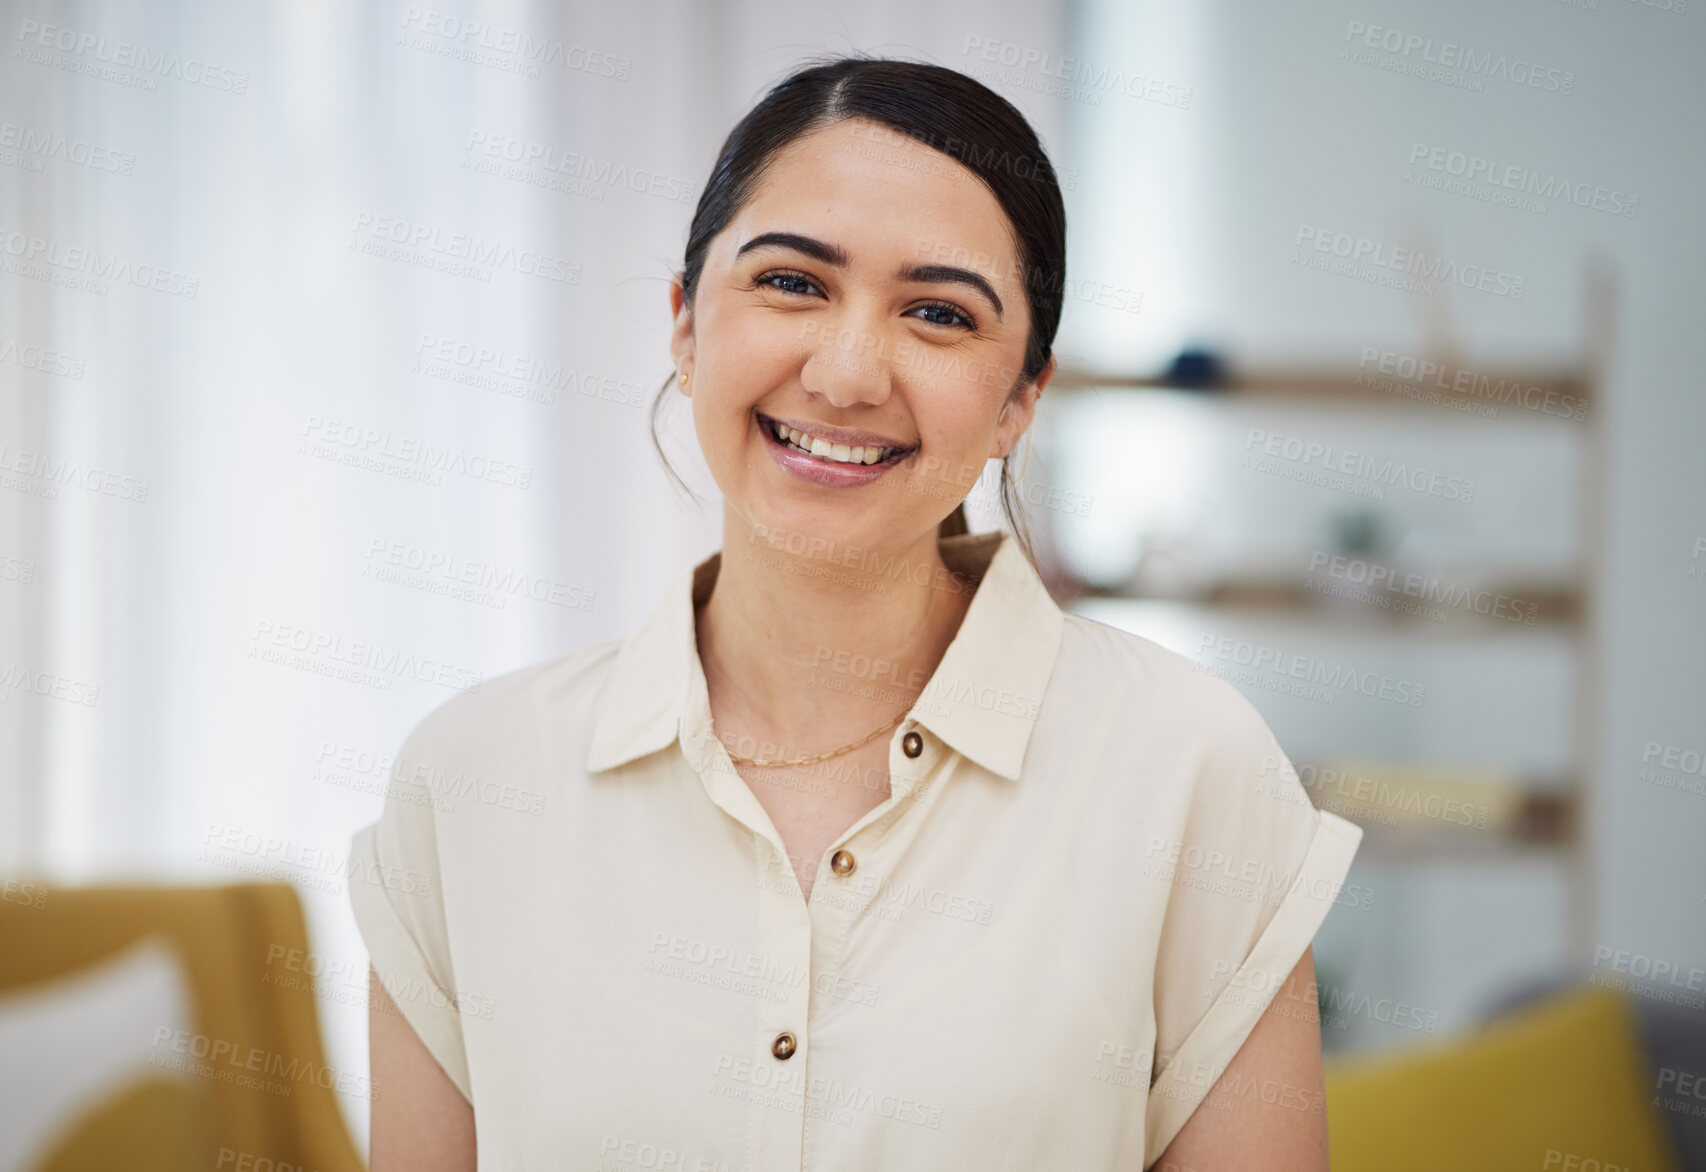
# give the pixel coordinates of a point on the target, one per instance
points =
(1556, 1085)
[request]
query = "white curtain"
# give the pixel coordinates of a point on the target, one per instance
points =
(327, 338)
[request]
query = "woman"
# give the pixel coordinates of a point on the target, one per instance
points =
(858, 853)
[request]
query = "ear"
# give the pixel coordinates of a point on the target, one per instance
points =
(681, 333)
(1017, 412)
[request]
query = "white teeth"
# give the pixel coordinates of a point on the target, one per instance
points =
(835, 453)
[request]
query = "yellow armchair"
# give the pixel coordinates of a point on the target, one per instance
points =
(1561, 1085)
(248, 1028)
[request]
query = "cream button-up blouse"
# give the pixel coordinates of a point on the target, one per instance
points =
(1094, 870)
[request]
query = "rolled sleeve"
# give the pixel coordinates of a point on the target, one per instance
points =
(1238, 926)
(396, 893)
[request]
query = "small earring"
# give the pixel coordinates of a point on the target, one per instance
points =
(684, 378)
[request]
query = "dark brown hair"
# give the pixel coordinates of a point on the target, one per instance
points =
(940, 108)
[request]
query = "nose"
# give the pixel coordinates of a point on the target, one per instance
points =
(849, 362)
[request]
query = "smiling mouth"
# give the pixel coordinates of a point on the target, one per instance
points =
(820, 449)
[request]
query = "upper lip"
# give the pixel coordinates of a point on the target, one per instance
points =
(838, 435)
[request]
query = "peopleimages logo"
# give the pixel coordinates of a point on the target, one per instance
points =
(1373, 469)
(1673, 767)
(346, 980)
(45, 259)
(1264, 984)
(602, 173)
(16, 679)
(1645, 967)
(34, 145)
(359, 661)
(1528, 181)
(378, 449)
(510, 49)
(37, 358)
(429, 243)
(1425, 375)
(1378, 577)
(41, 475)
(1087, 81)
(1413, 262)
(830, 1096)
(230, 1061)
(1262, 657)
(310, 866)
(468, 579)
(1413, 48)
(130, 56)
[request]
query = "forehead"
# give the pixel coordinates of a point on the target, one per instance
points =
(884, 197)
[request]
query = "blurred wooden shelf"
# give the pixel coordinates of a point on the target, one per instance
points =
(1528, 817)
(1562, 389)
(1525, 823)
(1553, 605)
(1388, 850)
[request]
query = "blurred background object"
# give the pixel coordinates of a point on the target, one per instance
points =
(166, 1027)
(327, 341)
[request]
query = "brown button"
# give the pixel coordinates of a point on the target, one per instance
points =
(783, 1046)
(842, 863)
(912, 744)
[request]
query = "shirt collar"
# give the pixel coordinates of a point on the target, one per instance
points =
(982, 700)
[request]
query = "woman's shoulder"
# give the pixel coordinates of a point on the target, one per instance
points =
(1156, 705)
(1099, 659)
(1212, 771)
(503, 708)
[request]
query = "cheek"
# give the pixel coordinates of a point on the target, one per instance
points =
(721, 420)
(729, 438)
(962, 413)
(748, 334)
(957, 441)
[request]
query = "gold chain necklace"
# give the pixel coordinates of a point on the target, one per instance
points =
(814, 757)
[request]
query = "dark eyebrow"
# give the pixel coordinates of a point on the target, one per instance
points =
(930, 274)
(831, 254)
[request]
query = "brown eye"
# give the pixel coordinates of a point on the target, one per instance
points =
(949, 315)
(796, 283)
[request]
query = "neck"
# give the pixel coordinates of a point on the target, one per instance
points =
(809, 650)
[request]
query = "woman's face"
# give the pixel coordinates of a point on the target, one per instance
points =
(869, 293)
